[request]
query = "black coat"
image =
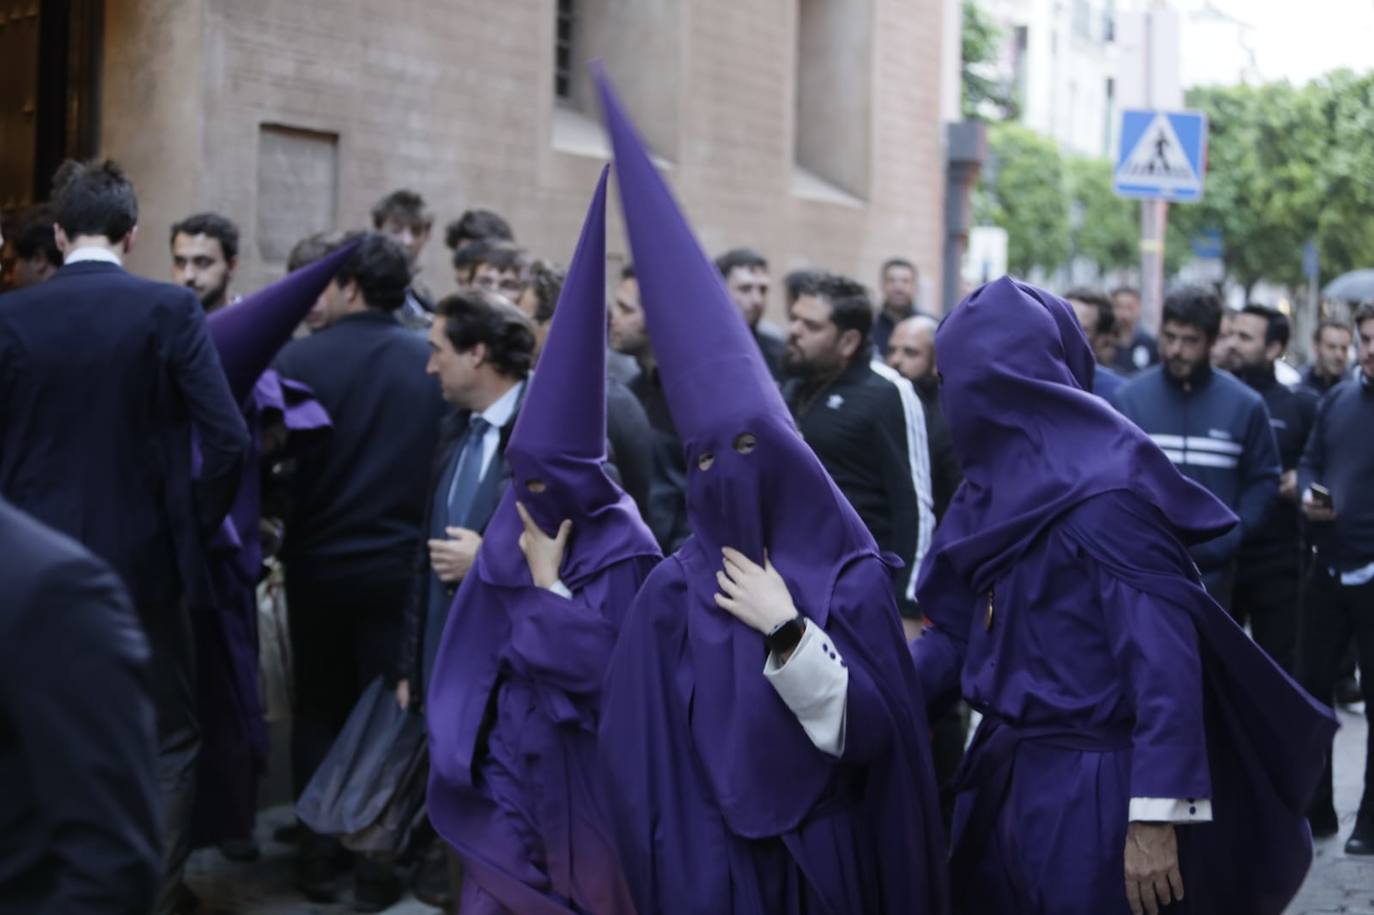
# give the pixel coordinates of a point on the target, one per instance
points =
(79, 811)
(103, 375)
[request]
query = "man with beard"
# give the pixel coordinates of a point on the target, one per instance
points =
(1136, 750)
(1267, 569)
(205, 253)
(1214, 428)
(898, 287)
(761, 729)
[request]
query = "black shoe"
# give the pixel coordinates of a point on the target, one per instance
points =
(317, 872)
(1324, 823)
(240, 850)
(376, 886)
(290, 834)
(1361, 841)
(1348, 691)
(432, 884)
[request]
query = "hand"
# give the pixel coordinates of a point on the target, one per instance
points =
(1317, 512)
(452, 558)
(1152, 875)
(1288, 486)
(403, 694)
(543, 553)
(753, 594)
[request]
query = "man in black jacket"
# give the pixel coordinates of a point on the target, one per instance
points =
(911, 351)
(852, 417)
(1330, 357)
(745, 273)
(1266, 591)
(79, 814)
(356, 515)
(104, 377)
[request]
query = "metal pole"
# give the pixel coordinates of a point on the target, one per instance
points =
(1154, 222)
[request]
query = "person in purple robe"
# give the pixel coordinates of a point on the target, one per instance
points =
(1137, 752)
(283, 418)
(761, 725)
(516, 692)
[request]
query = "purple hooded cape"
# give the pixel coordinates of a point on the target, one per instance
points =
(1067, 540)
(233, 754)
(721, 803)
(514, 700)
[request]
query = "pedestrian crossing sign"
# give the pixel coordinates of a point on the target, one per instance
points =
(1163, 154)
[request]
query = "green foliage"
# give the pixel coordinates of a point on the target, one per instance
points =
(1108, 226)
(985, 97)
(1022, 191)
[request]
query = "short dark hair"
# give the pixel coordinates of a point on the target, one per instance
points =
(897, 262)
(1362, 314)
(36, 236)
(1125, 290)
(94, 198)
(501, 254)
(1276, 326)
(850, 305)
(472, 316)
(1106, 317)
(735, 258)
(546, 282)
(474, 224)
(404, 206)
(800, 282)
(1330, 324)
(313, 247)
(381, 269)
(213, 226)
(1195, 305)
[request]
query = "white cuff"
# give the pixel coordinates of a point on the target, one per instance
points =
(1170, 810)
(560, 589)
(815, 685)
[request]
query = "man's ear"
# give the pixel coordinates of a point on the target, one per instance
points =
(1273, 350)
(127, 243)
(480, 354)
(63, 243)
(849, 342)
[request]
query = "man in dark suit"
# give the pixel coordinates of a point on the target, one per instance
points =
(356, 513)
(104, 377)
(480, 350)
(79, 814)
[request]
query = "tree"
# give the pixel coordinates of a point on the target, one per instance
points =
(1021, 190)
(985, 96)
(1345, 220)
(1107, 228)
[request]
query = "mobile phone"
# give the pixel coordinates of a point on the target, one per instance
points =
(1320, 495)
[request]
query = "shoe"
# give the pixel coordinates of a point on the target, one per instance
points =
(376, 886)
(317, 872)
(1361, 841)
(240, 850)
(1348, 691)
(290, 834)
(1324, 823)
(432, 884)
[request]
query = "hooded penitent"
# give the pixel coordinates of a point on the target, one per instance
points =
(247, 336)
(1066, 608)
(534, 657)
(694, 789)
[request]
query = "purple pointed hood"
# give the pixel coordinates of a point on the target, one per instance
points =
(249, 333)
(753, 484)
(1015, 371)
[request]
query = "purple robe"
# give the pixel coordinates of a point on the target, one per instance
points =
(1065, 608)
(229, 702)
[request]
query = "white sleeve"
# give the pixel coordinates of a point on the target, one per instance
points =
(815, 685)
(560, 589)
(1170, 810)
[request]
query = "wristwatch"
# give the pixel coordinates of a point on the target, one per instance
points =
(783, 637)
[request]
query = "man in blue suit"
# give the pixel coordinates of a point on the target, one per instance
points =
(106, 379)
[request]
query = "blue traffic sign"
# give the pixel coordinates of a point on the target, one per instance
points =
(1163, 154)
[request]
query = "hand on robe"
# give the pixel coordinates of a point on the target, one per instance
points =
(1288, 486)
(403, 693)
(753, 594)
(543, 553)
(452, 558)
(1153, 879)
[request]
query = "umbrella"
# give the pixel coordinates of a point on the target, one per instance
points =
(1355, 286)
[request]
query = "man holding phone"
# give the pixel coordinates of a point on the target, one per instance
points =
(1338, 502)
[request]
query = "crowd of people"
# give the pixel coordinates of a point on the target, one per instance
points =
(470, 497)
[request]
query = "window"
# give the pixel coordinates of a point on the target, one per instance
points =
(834, 95)
(563, 52)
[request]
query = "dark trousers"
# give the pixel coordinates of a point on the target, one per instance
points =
(1331, 614)
(344, 634)
(173, 681)
(1267, 597)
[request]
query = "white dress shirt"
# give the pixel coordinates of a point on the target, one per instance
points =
(92, 253)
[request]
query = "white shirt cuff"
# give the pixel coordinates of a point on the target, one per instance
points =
(1171, 810)
(814, 683)
(560, 589)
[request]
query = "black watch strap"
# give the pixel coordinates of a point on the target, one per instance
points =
(784, 636)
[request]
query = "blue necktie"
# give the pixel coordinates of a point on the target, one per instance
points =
(468, 476)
